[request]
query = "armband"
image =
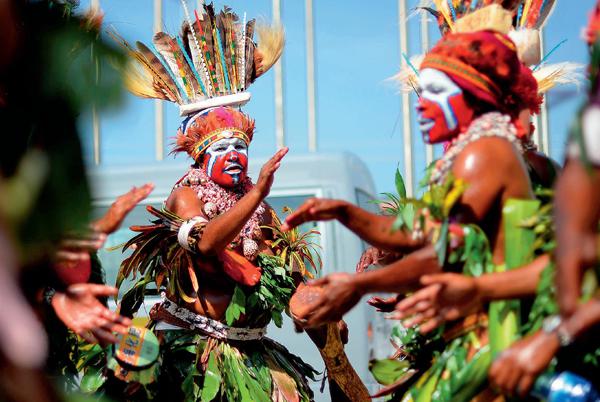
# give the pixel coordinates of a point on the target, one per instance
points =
(190, 232)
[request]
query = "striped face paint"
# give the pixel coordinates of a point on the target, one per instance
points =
(442, 109)
(226, 162)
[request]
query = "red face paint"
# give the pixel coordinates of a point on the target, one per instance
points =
(226, 162)
(442, 109)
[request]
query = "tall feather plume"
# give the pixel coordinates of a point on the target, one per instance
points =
(249, 70)
(547, 9)
(211, 30)
(143, 69)
(188, 33)
(204, 27)
(173, 55)
(241, 53)
(225, 23)
(220, 55)
(154, 64)
(270, 45)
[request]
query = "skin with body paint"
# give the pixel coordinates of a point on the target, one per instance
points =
(226, 162)
(442, 109)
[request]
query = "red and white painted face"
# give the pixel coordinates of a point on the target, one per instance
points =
(442, 109)
(226, 162)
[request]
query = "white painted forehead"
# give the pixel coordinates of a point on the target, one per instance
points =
(227, 142)
(431, 75)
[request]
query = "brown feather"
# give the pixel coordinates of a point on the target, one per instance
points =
(164, 79)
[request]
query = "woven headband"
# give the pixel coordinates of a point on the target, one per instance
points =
(460, 69)
(219, 134)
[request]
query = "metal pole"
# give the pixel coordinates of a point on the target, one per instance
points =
(406, 109)
(424, 49)
(159, 136)
(279, 117)
(310, 78)
(95, 4)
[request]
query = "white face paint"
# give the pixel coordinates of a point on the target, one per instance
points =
(438, 88)
(227, 161)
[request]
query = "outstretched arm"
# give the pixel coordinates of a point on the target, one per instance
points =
(341, 291)
(372, 228)
(222, 230)
(449, 296)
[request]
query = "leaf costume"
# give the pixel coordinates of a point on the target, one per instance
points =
(193, 357)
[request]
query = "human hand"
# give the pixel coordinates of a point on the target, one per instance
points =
(445, 297)
(338, 295)
(383, 305)
(81, 311)
(113, 218)
(371, 256)
(267, 173)
(314, 209)
(516, 369)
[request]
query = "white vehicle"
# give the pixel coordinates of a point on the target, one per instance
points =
(340, 176)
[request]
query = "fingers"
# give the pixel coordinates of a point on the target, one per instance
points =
(88, 336)
(93, 289)
(408, 305)
(431, 324)
(90, 243)
(319, 282)
(104, 336)
(299, 216)
(525, 385)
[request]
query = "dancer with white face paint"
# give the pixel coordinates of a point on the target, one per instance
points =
(469, 101)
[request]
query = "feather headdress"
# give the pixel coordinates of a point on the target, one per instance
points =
(520, 19)
(211, 63)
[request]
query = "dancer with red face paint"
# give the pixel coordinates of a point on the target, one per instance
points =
(472, 89)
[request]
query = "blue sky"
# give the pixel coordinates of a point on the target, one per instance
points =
(356, 50)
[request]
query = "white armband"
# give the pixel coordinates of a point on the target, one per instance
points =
(186, 227)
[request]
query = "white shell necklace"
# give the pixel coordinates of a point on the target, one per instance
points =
(493, 124)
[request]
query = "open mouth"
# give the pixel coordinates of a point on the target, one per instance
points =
(233, 169)
(425, 125)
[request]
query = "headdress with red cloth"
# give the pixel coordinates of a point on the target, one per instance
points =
(485, 64)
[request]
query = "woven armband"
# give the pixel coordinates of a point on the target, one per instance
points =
(190, 232)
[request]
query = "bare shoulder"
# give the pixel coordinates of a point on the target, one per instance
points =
(184, 202)
(488, 154)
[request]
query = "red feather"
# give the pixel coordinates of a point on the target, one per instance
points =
(239, 268)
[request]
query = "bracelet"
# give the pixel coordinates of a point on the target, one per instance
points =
(552, 325)
(187, 237)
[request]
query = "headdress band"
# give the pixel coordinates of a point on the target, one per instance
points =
(219, 134)
(460, 69)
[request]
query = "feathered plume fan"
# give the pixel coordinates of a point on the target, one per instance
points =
(211, 63)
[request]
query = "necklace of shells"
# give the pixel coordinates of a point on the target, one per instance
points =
(493, 124)
(218, 200)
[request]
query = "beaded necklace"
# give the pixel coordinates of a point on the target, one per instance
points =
(493, 124)
(218, 200)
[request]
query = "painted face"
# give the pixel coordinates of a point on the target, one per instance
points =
(226, 162)
(442, 109)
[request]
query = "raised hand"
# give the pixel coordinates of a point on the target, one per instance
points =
(113, 218)
(314, 209)
(516, 369)
(267, 173)
(382, 305)
(81, 311)
(445, 297)
(338, 296)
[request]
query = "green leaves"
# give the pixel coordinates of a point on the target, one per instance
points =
(400, 187)
(92, 380)
(236, 307)
(388, 371)
(212, 379)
